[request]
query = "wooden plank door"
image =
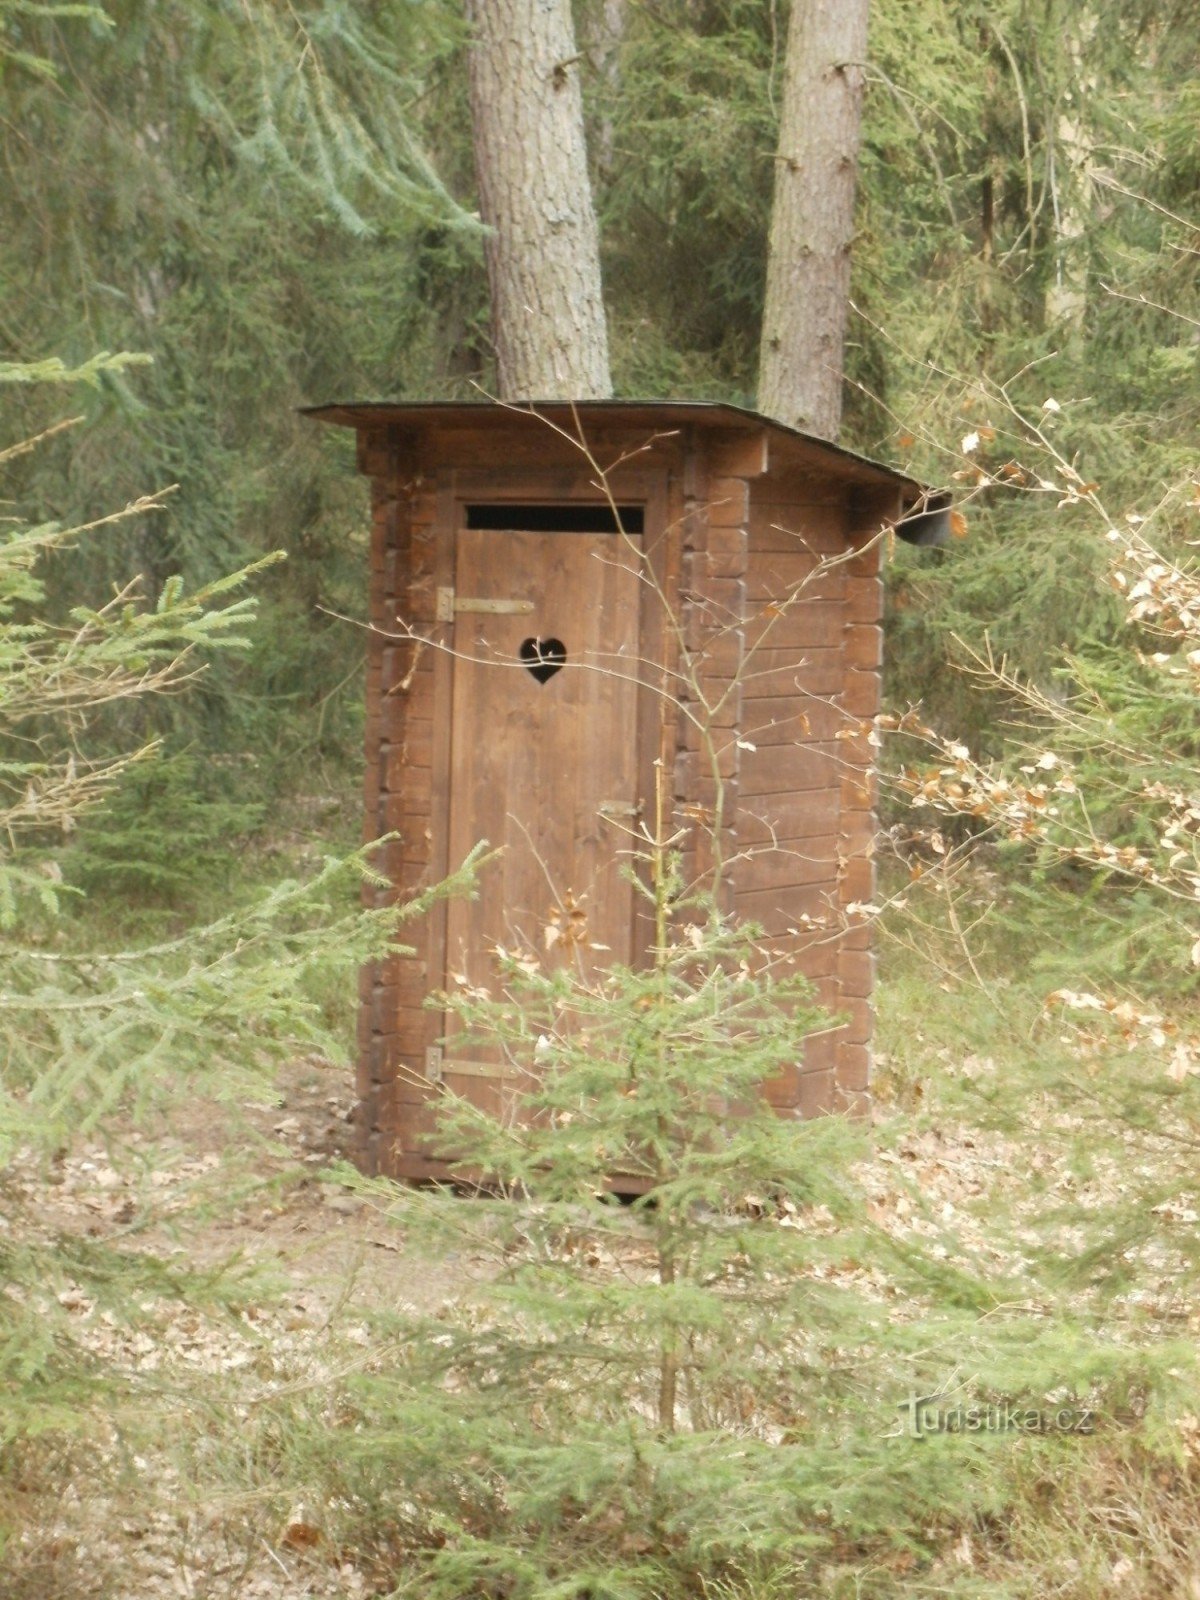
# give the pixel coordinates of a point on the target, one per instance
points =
(544, 750)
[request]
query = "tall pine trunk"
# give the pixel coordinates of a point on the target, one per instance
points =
(812, 221)
(543, 250)
(602, 27)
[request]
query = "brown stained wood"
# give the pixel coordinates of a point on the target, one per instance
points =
(740, 528)
(783, 1090)
(762, 818)
(433, 688)
(721, 599)
(557, 472)
(416, 834)
(856, 880)
(412, 983)
(413, 786)
(861, 694)
(417, 702)
(865, 566)
(864, 599)
(502, 1096)
(820, 1053)
(856, 746)
(388, 1004)
(410, 1085)
(798, 719)
(817, 1093)
(853, 1067)
(389, 531)
(721, 707)
(811, 673)
(856, 973)
(863, 647)
(780, 911)
(732, 456)
(717, 654)
(787, 769)
(800, 466)
(659, 714)
(796, 528)
(796, 578)
(406, 663)
(695, 778)
(784, 865)
(800, 625)
(859, 1026)
(536, 446)
(728, 502)
(415, 748)
(537, 765)
(857, 834)
(860, 791)
(726, 555)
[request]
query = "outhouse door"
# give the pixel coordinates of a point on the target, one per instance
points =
(544, 745)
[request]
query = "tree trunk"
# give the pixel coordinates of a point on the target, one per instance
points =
(543, 251)
(603, 31)
(1070, 168)
(812, 222)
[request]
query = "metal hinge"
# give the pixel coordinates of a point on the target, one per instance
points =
(436, 1066)
(449, 605)
(619, 808)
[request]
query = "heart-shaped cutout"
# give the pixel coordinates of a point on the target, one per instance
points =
(544, 657)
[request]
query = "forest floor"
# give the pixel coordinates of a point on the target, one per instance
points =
(302, 1253)
(180, 1515)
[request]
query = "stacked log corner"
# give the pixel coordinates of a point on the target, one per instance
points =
(398, 786)
(715, 524)
(807, 791)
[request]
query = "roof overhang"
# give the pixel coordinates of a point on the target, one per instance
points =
(926, 511)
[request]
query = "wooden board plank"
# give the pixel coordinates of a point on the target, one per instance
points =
(795, 719)
(803, 625)
(787, 864)
(795, 575)
(772, 674)
(779, 910)
(794, 526)
(788, 769)
(762, 818)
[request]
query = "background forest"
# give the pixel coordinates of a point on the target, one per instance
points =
(216, 214)
(277, 209)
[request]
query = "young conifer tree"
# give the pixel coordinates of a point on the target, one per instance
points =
(93, 1035)
(701, 1390)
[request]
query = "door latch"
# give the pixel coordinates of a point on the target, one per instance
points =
(450, 605)
(619, 808)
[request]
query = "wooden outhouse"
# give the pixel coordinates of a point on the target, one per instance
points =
(539, 575)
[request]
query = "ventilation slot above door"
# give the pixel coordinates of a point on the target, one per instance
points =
(574, 516)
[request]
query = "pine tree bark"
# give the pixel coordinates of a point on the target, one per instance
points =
(543, 250)
(602, 26)
(812, 220)
(1071, 166)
